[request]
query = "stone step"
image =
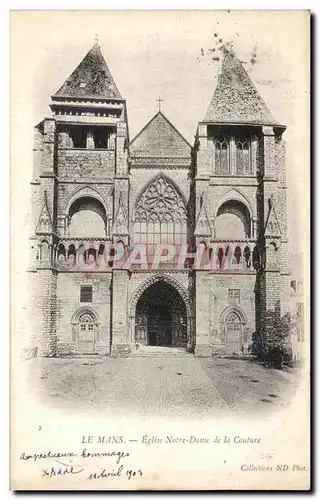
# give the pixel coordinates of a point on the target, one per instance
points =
(149, 351)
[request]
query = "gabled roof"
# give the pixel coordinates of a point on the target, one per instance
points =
(91, 78)
(236, 100)
(160, 138)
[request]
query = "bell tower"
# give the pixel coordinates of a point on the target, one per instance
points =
(241, 217)
(80, 165)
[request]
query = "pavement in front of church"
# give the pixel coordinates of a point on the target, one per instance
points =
(161, 386)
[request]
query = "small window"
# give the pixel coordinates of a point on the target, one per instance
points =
(222, 155)
(234, 295)
(243, 165)
(86, 293)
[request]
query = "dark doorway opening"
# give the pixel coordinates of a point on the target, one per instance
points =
(161, 317)
(159, 325)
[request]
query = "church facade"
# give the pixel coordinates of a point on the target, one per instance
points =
(220, 204)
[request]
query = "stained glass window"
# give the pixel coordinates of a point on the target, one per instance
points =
(160, 215)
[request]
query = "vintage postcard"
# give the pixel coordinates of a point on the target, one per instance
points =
(160, 228)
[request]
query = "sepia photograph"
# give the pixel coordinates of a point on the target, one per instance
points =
(160, 171)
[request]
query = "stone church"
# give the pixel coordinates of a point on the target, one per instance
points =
(95, 190)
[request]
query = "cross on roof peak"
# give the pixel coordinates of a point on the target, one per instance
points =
(159, 101)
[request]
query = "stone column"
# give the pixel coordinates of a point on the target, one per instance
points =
(232, 162)
(120, 343)
(46, 293)
(203, 165)
(90, 140)
(202, 347)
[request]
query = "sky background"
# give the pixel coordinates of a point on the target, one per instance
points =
(152, 54)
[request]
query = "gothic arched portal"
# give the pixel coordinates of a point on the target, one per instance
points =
(160, 314)
(161, 317)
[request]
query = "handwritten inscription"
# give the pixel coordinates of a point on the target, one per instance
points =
(104, 474)
(67, 469)
(109, 462)
(48, 454)
(61, 471)
(113, 454)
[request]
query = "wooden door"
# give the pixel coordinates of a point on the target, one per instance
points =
(233, 329)
(86, 335)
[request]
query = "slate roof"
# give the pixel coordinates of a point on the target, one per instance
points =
(91, 78)
(160, 138)
(236, 100)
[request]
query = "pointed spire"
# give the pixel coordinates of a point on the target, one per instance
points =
(202, 226)
(44, 224)
(91, 78)
(121, 225)
(272, 228)
(236, 100)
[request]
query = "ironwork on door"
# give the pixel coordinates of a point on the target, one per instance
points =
(86, 334)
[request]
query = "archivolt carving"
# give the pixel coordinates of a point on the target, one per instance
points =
(233, 194)
(85, 310)
(231, 313)
(86, 192)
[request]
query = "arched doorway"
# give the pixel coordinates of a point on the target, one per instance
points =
(233, 322)
(86, 336)
(161, 317)
(85, 326)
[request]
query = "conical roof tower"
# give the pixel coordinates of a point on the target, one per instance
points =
(235, 99)
(90, 90)
(91, 78)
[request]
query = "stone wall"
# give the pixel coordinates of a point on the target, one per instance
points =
(46, 309)
(68, 303)
(212, 300)
(86, 163)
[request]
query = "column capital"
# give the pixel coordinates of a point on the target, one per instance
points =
(202, 130)
(267, 130)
